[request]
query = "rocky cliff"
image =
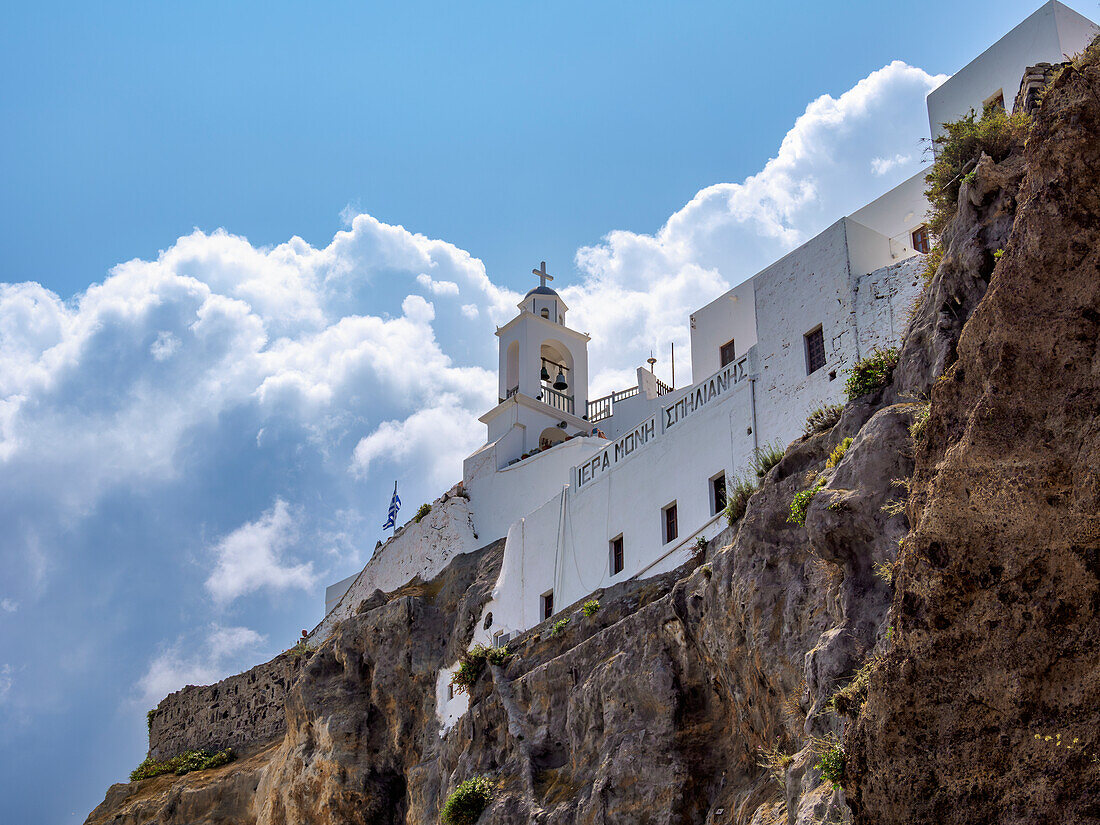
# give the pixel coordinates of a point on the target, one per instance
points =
(901, 657)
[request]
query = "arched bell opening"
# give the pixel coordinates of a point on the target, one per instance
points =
(556, 375)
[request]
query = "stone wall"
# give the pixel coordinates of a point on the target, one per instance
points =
(236, 712)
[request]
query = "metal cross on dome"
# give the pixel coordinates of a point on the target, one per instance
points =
(541, 272)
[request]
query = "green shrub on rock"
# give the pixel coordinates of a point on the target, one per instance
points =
(591, 608)
(823, 418)
(766, 457)
(996, 133)
(801, 502)
(831, 765)
(467, 801)
(198, 760)
(873, 372)
(470, 668)
(837, 454)
(738, 492)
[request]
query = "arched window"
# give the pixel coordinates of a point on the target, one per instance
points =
(545, 313)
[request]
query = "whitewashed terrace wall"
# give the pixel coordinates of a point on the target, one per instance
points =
(417, 549)
(498, 498)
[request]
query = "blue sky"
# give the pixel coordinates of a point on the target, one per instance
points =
(253, 255)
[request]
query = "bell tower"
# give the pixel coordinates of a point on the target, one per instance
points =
(543, 367)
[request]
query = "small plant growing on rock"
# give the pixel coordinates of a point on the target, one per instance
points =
(998, 254)
(766, 457)
(738, 492)
(850, 698)
(470, 668)
(776, 763)
(467, 801)
(823, 418)
(831, 763)
(871, 373)
(559, 626)
(700, 548)
(920, 420)
(197, 760)
(149, 719)
(591, 608)
(884, 570)
(838, 453)
(423, 511)
(497, 655)
(801, 502)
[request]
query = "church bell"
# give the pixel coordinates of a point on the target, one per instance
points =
(559, 382)
(545, 376)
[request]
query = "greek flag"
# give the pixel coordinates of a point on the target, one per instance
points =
(395, 505)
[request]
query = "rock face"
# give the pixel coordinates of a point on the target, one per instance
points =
(997, 631)
(929, 659)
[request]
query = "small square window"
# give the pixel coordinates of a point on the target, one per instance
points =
(726, 354)
(547, 604)
(995, 101)
(450, 692)
(920, 240)
(670, 527)
(718, 494)
(815, 350)
(617, 561)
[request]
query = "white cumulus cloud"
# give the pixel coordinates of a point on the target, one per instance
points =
(220, 653)
(251, 557)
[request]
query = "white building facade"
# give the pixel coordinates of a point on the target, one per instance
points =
(592, 492)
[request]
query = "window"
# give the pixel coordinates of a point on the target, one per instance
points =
(995, 101)
(815, 350)
(669, 514)
(718, 494)
(726, 354)
(545, 313)
(617, 554)
(547, 604)
(450, 692)
(920, 239)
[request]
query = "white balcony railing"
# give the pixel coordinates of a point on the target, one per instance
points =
(558, 400)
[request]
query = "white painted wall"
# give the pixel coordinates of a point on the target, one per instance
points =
(1050, 33)
(731, 315)
(897, 213)
(498, 498)
(417, 549)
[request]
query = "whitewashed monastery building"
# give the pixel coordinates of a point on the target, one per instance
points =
(589, 492)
